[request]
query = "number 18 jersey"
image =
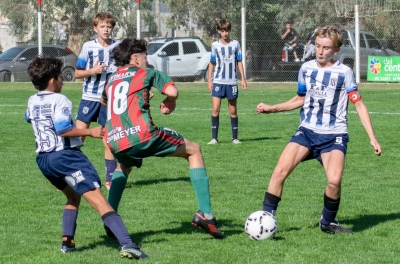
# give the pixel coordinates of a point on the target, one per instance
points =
(129, 121)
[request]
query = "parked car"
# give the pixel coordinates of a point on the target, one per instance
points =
(14, 62)
(181, 58)
(369, 46)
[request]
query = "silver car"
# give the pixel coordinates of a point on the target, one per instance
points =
(14, 62)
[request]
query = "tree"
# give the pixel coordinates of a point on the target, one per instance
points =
(75, 16)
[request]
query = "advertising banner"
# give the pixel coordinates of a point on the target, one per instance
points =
(383, 69)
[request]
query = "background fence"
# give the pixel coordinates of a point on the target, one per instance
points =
(69, 23)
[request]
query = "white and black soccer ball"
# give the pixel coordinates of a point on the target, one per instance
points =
(261, 225)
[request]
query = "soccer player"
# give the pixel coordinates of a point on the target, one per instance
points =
(226, 59)
(324, 88)
(95, 65)
(60, 159)
(131, 134)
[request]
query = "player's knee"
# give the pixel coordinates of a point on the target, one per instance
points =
(280, 174)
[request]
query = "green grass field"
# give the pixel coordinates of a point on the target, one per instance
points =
(159, 201)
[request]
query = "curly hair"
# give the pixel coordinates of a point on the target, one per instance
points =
(41, 70)
(122, 53)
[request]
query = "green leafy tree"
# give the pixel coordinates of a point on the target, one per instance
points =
(75, 17)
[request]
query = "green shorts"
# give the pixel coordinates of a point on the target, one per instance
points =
(164, 142)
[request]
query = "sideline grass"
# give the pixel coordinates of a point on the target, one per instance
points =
(159, 201)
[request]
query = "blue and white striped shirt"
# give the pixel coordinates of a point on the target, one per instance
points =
(51, 115)
(225, 58)
(326, 96)
(91, 52)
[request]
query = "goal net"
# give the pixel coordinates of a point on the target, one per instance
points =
(345, 8)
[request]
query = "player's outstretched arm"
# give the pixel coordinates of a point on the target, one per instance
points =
(96, 132)
(292, 104)
(365, 119)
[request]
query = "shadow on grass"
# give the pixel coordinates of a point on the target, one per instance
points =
(131, 184)
(228, 228)
(246, 140)
(368, 221)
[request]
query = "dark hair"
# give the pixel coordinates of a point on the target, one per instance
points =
(41, 70)
(122, 53)
(224, 24)
(103, 16)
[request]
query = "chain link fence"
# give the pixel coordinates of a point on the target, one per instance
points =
(70, 24)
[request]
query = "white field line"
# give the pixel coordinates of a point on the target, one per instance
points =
(185, 111)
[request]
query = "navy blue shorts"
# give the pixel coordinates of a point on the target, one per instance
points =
(318, 144)
(69, 166)
(90, 111)
(221, 91)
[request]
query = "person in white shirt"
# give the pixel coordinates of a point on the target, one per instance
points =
(324, 88)
(95, 65)
(226, 59)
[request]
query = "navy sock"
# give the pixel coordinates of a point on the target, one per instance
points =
(331, 207)
(114, 222)
(270, 203)
(214, 126)
(69, 217)
(110, 168)
(234, 125)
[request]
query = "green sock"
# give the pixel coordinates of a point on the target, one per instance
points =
(199, 180)
(118, 184)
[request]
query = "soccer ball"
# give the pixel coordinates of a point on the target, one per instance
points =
(261, 225)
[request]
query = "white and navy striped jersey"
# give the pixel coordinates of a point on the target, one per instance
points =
(326, 96)
(91, 52)
(51, 115)
(225, 58)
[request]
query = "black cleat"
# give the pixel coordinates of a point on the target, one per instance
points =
(335, 228)
(64, 249)
(109, 233)
(132, 252)
(210, 226)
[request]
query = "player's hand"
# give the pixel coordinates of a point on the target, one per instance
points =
(151, 95)
(97, 132)
(98, 67)
(376, 146)
(210, 86)
(263, 108)
(244, 84)
(167, 106)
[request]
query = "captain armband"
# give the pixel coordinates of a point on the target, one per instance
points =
(354, 96)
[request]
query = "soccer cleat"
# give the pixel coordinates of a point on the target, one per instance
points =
(213, 142)
(236, 141)
(64, 249)
(334, 228)
(109, 233)
(210, 226)
(131, 252)
(108, 185)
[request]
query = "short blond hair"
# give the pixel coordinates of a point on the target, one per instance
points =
(104, 16)
(333, 33)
